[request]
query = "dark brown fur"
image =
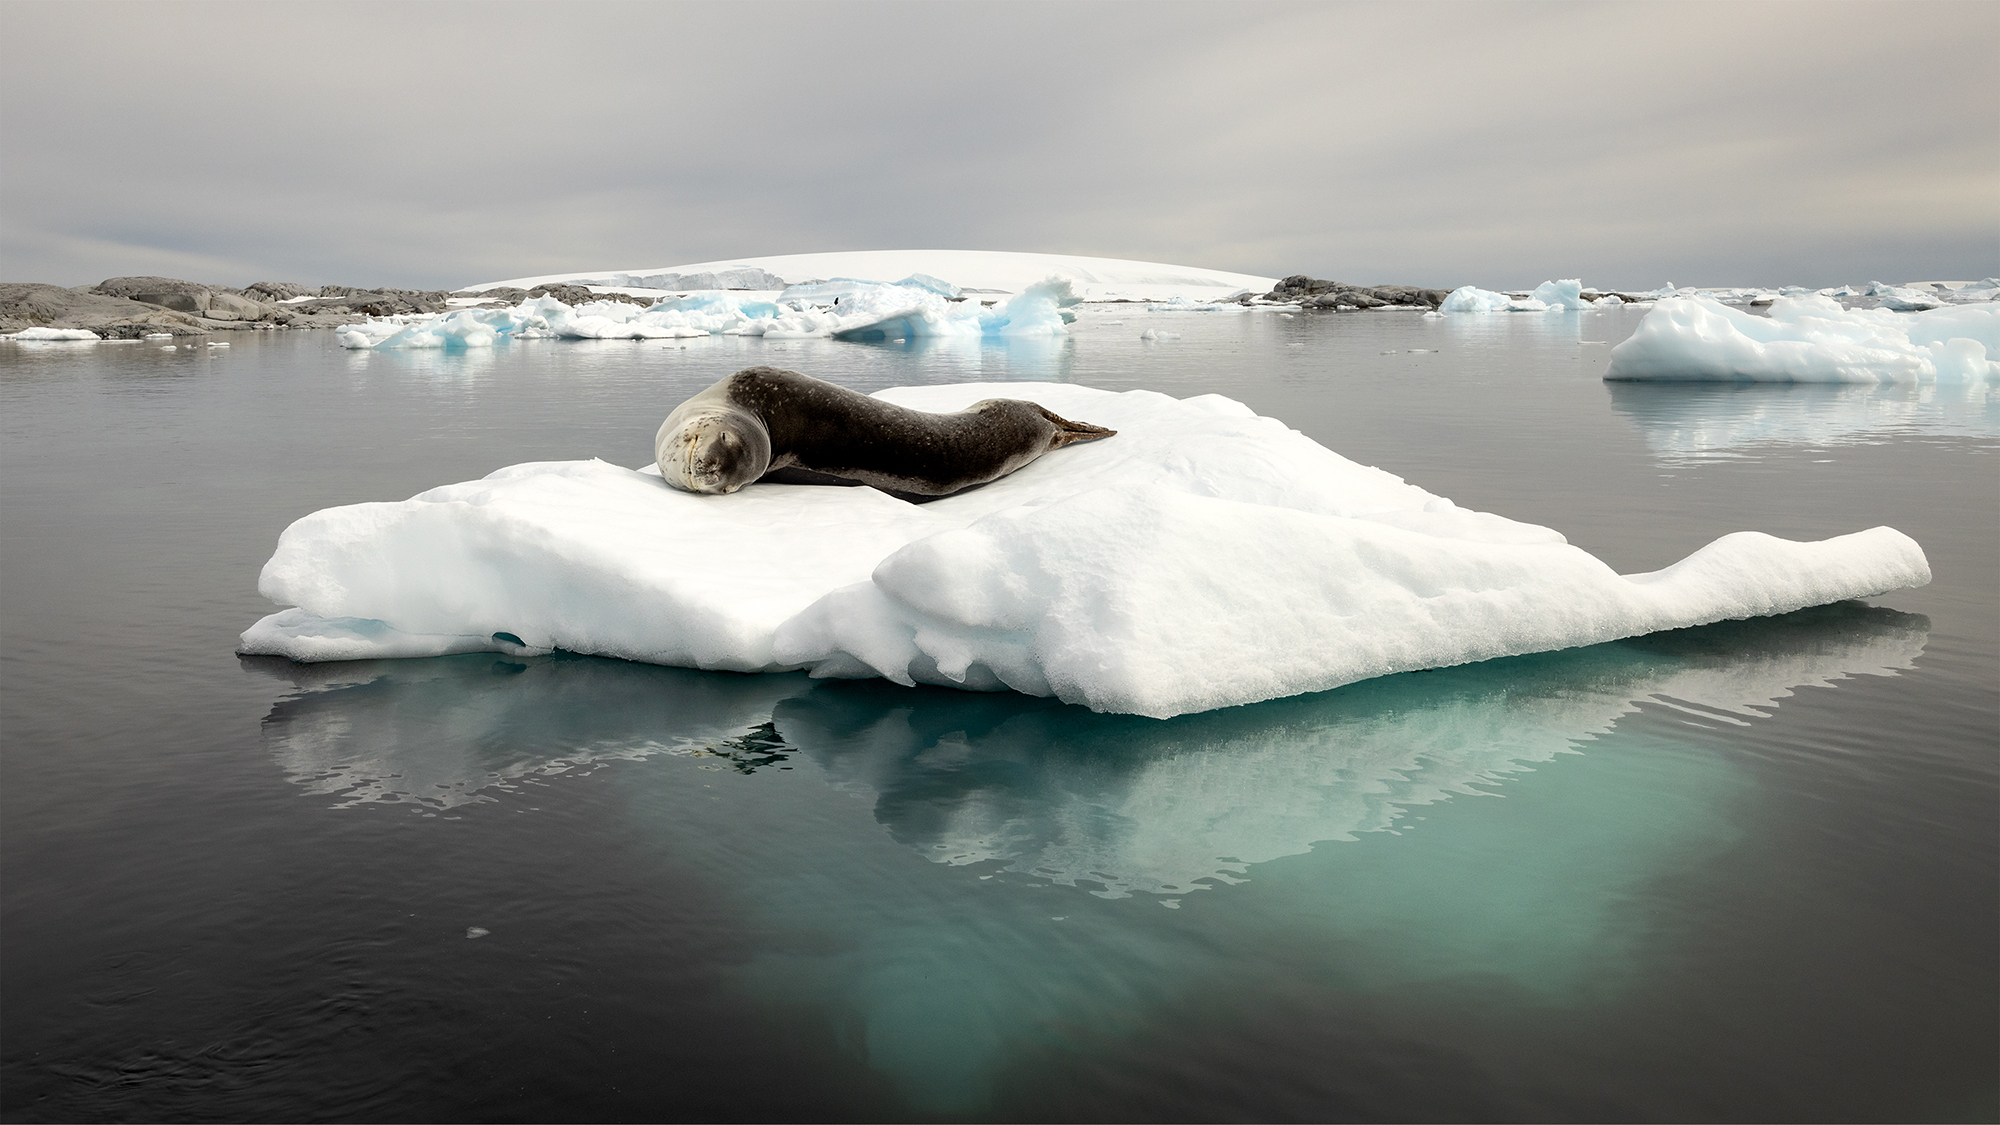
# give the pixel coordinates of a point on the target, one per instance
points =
(820, 430)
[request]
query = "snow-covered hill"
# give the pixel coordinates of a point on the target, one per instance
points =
(993, 271)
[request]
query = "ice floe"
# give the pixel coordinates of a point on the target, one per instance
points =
(1205, 557)
(30, 335)
(1472, 299)
(1810, 339)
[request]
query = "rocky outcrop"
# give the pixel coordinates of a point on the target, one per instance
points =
(507, 296)
(29, 305)
(210, 302)
(274, 291)
(1312, 293)
(344, 300)
(130, 307)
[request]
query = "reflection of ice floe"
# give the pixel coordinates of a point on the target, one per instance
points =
(1683, 421)
(447, 732)
(1810, 340)
(1047, 789)
(1128, 807)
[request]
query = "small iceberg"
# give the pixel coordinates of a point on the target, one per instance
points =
(1205, 557)
(1810, 339)
(30, 335)
(1549, 296)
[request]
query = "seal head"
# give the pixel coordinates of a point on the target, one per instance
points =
(712, 448)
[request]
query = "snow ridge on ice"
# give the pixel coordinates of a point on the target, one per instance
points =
(1206, 557)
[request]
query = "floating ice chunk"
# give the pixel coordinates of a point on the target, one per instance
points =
(1810, 339)
(1911, 300)
(1471, 298)
(29, 335)
(1205, 557)
(1565, 294)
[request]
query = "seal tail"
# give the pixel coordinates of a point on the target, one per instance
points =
(1068, 431)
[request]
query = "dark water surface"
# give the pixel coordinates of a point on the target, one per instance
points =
(1740, 872)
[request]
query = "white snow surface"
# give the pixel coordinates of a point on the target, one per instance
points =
(1202, 558)
(995, 272)
(1810, 339)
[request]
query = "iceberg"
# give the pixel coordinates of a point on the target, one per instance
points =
(1810, 339)
(48, 334)
(1565, 294)
(1472, 299)
(1206, 557)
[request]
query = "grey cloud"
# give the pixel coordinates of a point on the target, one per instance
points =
(441, 144)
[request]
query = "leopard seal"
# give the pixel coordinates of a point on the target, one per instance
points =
(766, 423)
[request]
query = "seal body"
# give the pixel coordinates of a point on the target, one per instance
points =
(764, 423)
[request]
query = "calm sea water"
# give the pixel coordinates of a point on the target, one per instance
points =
(1739, 872)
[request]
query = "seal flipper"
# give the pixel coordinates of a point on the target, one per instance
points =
(1068, 432)
(793, 474)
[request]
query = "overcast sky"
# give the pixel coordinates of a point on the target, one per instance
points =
(435, 145)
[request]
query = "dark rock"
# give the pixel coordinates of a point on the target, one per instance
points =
(1314, 293)
(179, 302)
(345, 300)
(131, 287)
(578, 295)
(28, 305)
(505, 296)
(274, 291)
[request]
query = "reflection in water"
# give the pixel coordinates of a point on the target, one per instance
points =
(1113, 802)
(461, 729)
(949, 975)
(1125, 805)
(1698, 421)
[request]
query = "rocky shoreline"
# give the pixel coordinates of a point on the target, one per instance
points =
(1313, 293)
(127, 308)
